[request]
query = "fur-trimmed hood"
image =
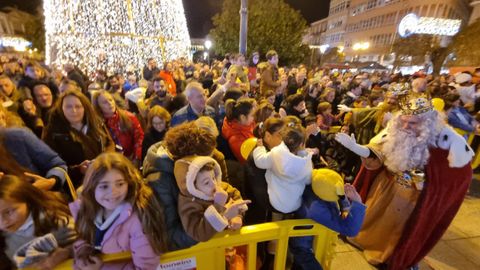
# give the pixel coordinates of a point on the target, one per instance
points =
(186, 170)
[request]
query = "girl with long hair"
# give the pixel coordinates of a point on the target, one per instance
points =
(117, 212)
(124, 127)
(30, 216)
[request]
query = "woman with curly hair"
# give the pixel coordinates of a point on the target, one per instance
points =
(158, 169)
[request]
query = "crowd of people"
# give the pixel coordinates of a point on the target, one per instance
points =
(163, 158)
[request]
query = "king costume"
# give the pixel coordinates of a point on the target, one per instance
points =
(409, 211)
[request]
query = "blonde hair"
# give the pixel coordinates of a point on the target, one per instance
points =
(139, 195)
(160, 112)
(207, 123)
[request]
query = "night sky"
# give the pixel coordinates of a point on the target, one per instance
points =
(200, 12)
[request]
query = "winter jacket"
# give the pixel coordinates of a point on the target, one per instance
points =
(201, 217)
(149, 74)
(327, 214)
(131, 140)
(160, 101)
(256, 191)
(124, 235)
(33, 154)
(460, 118)
(75, 146)
(269, 79)
(27, 82)
(186, 114)
(158, 172)
(287, 174)
(311, 104)
(236, 133)
(348, 99)
(151, 137)
(65, 235)
(169, 82)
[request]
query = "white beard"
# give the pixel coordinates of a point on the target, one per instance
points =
(405, 151)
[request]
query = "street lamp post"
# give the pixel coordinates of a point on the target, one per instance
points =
(243, 27)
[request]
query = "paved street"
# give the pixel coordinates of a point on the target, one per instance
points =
(458, 249)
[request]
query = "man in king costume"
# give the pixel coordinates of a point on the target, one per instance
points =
(414, 177)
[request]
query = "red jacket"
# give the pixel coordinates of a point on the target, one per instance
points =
(131, 140)
(236, 133)
(169, 82)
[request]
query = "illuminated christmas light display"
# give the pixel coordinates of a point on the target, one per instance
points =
(114, 35)
(412, 24)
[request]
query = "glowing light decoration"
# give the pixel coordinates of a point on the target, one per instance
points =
(114, 34)
(18, 43)
(412, 24)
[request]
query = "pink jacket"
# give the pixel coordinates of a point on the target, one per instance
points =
(125, 235)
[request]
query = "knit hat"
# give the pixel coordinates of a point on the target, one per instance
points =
(136, 94)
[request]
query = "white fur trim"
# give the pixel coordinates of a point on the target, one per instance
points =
(218, 222)
(195, 165)
(460, 153)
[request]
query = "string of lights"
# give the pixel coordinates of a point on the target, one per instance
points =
(114, 35)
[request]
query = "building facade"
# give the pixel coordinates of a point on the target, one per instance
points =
(366, 29)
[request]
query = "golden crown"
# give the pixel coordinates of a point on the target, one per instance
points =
(399, 89)
(415, 103)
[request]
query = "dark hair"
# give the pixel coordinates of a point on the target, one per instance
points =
(270, 54)
(233, 109)
(271, 125)
(353, 85)
(263, 111)
(210, 166)
(449, 99)
(293, 136)
(234, 94)
(157, 79)
(90, 117)
(295, 99)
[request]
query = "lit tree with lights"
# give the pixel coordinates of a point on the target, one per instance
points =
(114, 35)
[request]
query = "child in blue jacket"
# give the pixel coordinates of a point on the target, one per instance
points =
(320, 204)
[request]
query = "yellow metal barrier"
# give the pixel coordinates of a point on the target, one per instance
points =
(211, 255)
